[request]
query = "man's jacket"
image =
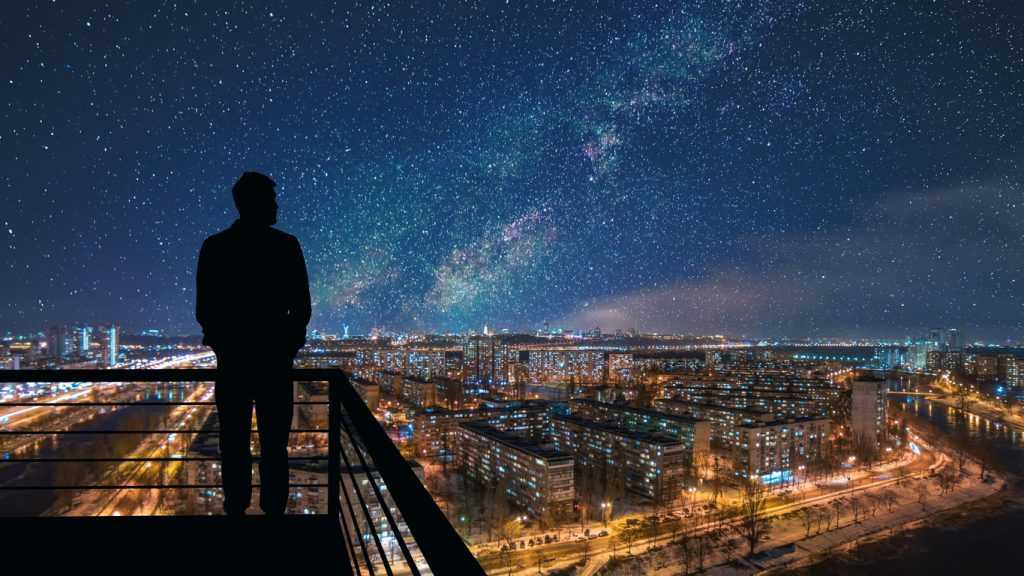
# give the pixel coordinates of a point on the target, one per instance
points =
(252, 291)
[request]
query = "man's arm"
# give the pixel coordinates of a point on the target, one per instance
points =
(300, 307)
(204, 313)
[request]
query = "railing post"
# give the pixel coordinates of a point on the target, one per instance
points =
(333, 448)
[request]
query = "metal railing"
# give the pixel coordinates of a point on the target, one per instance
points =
(371, 489)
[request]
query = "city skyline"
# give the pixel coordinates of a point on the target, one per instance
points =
(693, 168)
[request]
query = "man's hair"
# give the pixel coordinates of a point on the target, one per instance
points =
(250, 182)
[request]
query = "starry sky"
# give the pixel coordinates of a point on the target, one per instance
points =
(746, 168)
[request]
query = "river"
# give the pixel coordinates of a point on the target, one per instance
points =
(983, 540)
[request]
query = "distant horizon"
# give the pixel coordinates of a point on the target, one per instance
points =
(554, 332)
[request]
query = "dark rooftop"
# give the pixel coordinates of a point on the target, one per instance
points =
(643, 436)
(513, 441)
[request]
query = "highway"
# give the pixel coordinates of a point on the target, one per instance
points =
(107, 502)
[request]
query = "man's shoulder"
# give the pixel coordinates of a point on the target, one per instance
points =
(282, 236)
(231, 236)
(216, 238)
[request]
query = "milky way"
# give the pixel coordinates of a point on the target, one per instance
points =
(748, 168)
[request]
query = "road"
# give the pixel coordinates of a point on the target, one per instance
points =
(524, 562)
(106, 502)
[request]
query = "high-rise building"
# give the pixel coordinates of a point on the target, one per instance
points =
(584, 367)
(772, 452)
(83, 340)
(954, 339)
(917, 354)
(868, 408)
(485, 361)
(986, 368)
(113, 346)
(1015, 372)
(59, 341)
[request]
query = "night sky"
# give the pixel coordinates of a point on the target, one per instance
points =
(746, 168)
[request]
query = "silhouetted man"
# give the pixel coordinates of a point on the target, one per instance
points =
(252, 300)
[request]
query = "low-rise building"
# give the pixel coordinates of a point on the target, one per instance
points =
(538, 479)
(653, 465)
(434, 428)
(723, 420)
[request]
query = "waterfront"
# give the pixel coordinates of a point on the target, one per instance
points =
(980, 538)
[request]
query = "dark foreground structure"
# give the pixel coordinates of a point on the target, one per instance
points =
(374, 499)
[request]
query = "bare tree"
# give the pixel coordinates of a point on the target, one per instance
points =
(716, 481)
(700, 540)
(947, 479)
(873, 502)
(985, 455)
(856, 505)
(753, 525)
(808, 515)
(837, 507)
(651, 529)
(628, 535)
(685, 550)
(509, 533)
(889, 499)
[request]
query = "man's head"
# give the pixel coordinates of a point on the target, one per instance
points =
(255, 198)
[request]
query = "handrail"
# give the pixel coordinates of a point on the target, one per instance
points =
(440, 544)
(442, 547)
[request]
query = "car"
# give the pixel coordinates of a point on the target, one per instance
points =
(602, 533)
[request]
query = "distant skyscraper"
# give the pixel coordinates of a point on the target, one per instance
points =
(345, 330)
(112, 346)
(485, 360)
(954, 339)
(58, 342)
(83, 339)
